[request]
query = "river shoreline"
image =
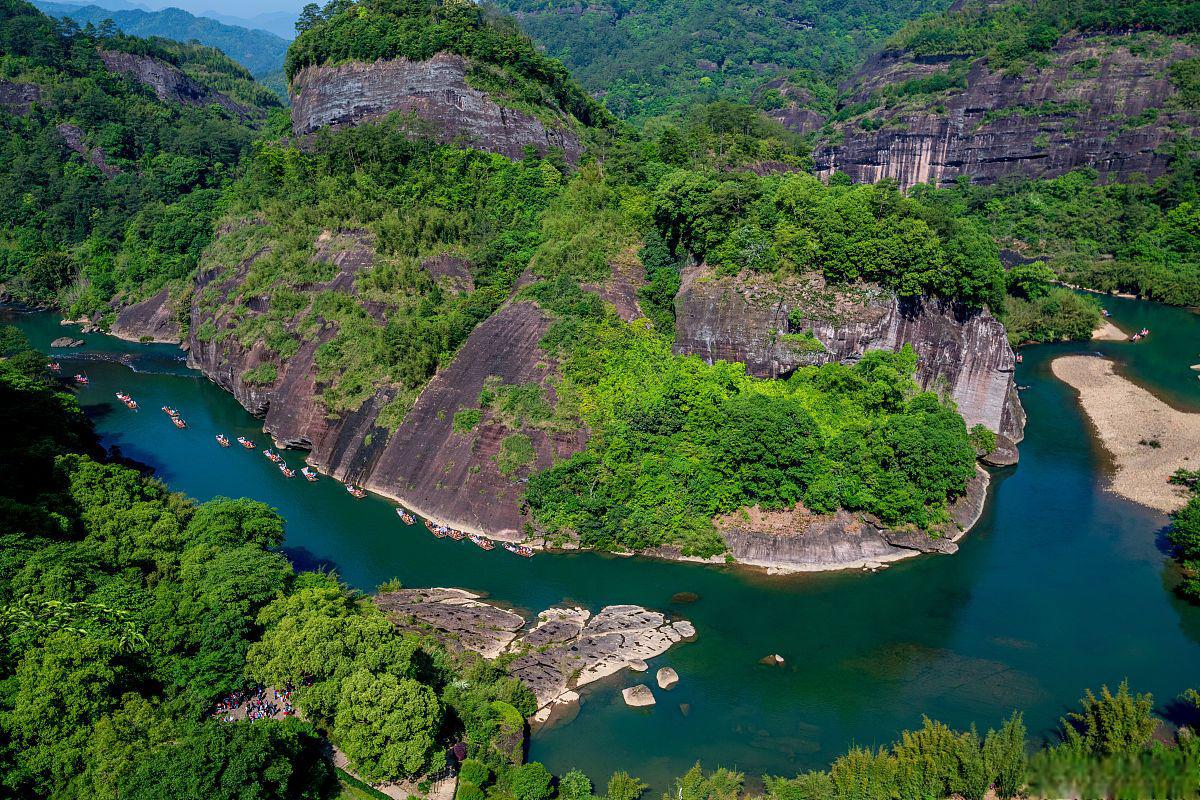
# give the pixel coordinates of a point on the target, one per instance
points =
(848, 554)
(1148, 439)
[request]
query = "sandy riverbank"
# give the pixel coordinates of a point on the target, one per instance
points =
(1107, 332)
(1127, 417)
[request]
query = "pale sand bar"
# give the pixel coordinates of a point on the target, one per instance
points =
(1125, 414)
(1107, 332)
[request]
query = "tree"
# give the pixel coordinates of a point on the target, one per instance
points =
(386, 725)
(530, 781)
(1111, 724)
(575, 785)
(1030, 281)
(243, 761)
(623, 786)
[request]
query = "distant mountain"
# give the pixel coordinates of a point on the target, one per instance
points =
(280, 23)
(259, 51)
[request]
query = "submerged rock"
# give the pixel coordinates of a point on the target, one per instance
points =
(639, 695)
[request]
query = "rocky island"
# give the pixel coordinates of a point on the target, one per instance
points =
(563, 650)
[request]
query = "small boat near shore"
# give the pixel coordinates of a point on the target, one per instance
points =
(482, 541)
(355, 491)
(222, 440)
(170, 412)
(519, 549)
(273, 456)
(81, 379)
(404, 516)
(437, 530)
(54, 366)
(287, 473)
(456, 534)
(309, 474)
(246, 443)
(179, 422)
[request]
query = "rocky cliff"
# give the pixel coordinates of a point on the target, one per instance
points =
(964, 354)
(18, 98)
(1101, 101)
(168, 82)
(436, 92)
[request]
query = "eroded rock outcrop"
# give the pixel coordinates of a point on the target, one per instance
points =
(75, 140)
(436, 93)
(796, 541)
(1102, 101)
(565, 649)
(169, 83)
(18, 98)
(960, 352)
(152, 320)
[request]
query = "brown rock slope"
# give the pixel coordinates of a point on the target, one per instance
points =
(436, 92)
(963, 353)
(169, 83)
(1102, 101)
(452, 476)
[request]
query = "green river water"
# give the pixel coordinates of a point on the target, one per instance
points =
(1059, 587)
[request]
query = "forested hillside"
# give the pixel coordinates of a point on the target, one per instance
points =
(651, 58)
(107, 189)
(258, 51)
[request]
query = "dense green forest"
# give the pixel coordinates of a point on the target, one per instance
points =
(138, 208)
(127, 612)
(1015, 32)
(1140, 238)
(259, 52)
(648, 59)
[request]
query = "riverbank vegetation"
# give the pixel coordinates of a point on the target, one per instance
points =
(131, 203)
(127, 611)
(1142, 239)
(1184, 535)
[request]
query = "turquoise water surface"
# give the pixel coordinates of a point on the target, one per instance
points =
(1061, 586)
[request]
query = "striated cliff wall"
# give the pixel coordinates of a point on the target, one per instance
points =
(436, 91)
(1102, 101)
(963, 353)
(168, 82)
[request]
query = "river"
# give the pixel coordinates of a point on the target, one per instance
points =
(1060, 586)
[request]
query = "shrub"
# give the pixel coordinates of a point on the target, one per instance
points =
(466, 419)
(262, 375)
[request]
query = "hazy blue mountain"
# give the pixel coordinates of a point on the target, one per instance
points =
(280, 23)
(259, 51)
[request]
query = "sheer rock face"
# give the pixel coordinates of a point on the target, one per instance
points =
(169, 83)
(565, 649)
(436, 92)
(454, 477)
(443, 475)
(17, 98)
(292, 412)
(152, 320)
(960, 352)
(1084, 109)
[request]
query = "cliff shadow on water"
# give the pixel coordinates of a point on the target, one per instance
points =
(1060, 585)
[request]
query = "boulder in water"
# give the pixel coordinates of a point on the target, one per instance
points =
(637, 665)
(667, 678)
(773, 660)
(66, 341)
(637, 696)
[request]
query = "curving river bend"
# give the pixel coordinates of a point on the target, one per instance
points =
(1059, 587)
